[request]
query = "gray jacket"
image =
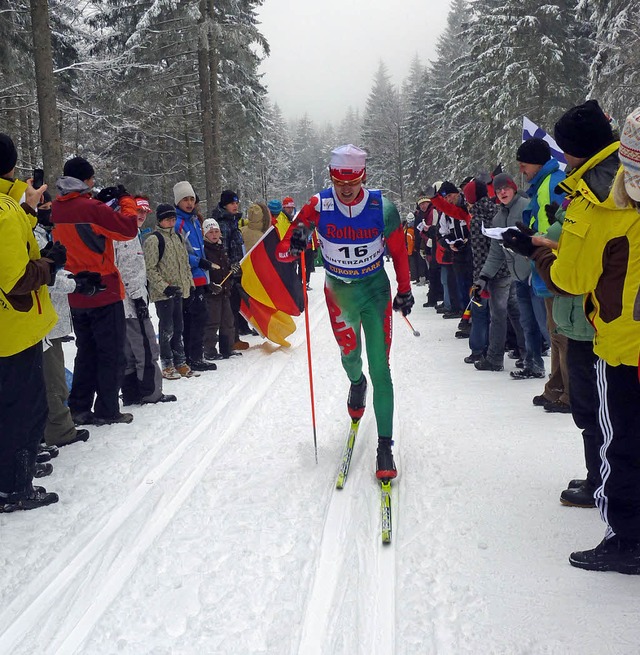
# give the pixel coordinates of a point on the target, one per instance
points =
(172, 270)
(130, 262)
(519, 266)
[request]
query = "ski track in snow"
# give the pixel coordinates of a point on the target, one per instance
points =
(63, 574)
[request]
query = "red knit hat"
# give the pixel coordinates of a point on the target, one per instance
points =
(288, 202)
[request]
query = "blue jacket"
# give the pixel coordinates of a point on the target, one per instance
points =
(542, 191)
(189, 227)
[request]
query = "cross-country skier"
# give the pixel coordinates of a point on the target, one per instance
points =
(354, 224)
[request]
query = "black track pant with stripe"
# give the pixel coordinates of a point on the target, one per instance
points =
(618, 498)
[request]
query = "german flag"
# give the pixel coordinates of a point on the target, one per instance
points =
(271, 290)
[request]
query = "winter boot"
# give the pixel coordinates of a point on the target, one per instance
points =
(385, 466)
(473, 358)
(527, 374)
(30, 499)
(578, 496)
(170, 373)
(201, 365)
(164, 398)
(118, 418)
(485, 365)
(52, 450)
(42, 470)
(186, 372)
(83, 418)
(357, 399)
(557, 407)
(614, 554)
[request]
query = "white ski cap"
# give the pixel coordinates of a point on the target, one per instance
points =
(210, 224)
(348, 157)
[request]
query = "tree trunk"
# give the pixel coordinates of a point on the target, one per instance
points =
(214, 62)
(205, 103)
(45, 87)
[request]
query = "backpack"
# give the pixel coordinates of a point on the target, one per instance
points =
(161, 243)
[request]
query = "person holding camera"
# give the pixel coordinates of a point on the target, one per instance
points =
(88, 227)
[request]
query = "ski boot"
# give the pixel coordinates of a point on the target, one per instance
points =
(385, 466)
(357, 399)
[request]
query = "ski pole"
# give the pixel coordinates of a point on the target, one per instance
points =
(303, 275)
(413, 330)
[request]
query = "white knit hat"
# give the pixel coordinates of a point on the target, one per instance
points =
(183, 190)
(629, 154)
(210, 224)
(348, 157)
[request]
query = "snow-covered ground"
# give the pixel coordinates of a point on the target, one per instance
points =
(206, 527)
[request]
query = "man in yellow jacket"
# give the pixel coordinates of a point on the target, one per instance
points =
(26, 316)
(599, 255)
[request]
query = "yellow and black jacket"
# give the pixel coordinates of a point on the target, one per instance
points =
(599, 256)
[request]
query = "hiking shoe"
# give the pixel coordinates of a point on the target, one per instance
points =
(170, 373)
(557, 407)
(578, 496)
(429, 304)
(357, 398)
(52, 450)
(462, 334)
(614, 554)
(37, 497)
(202, 366)
(185, 371)
(240, 345)
(452, 314)
(473, 358)
(526, 374)
(485, 365)
(519, 363)
(514, 354)
(442, 310)
(120, 417)
(575, 483)
(42, 457)
(42, 470)
(385, 466)
(83, 418)
(540, 401)
(81, 435)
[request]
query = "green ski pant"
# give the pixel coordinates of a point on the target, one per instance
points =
(365, 305)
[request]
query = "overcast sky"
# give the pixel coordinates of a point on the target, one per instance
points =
(324, 54)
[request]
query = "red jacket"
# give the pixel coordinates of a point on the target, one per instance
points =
(88, 228)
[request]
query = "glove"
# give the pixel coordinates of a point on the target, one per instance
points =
(57, 253)
(518, 242)
(215, 289)
(88, 283)
(525, 229)
(298, 241)
(110, 193)
(141, 308)
(458, 244)
(550, 211)
(235, 269)
(205, 263)
(403, 302)
(172, 292)
(477, 288)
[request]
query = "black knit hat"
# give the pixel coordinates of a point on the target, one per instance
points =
(584, 130)
(79, 168)
(8, 154)
(448, 187)
(534, 151)
(227, 197)
(164, 210)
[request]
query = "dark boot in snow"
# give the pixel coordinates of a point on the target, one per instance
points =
(385, 466)
(357, 399)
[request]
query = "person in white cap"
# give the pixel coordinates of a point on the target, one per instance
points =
(354, 224)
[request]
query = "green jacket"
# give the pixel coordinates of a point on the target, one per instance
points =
(568, 311)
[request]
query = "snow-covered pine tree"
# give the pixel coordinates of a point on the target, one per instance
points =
(523, 61)
(614, 73)
(382, 136)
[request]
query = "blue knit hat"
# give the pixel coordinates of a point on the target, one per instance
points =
(275, 207)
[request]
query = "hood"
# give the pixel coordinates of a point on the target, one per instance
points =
(67, 184)
(594, 179)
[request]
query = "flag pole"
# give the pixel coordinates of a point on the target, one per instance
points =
(303, 275)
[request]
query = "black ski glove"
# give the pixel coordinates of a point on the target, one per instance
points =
(298, 241)
(88, 283)
(550, 211)
(518, 242)
(141, 308)
(205, 264)
(57, 253)
(172, 292)
(403, 302)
